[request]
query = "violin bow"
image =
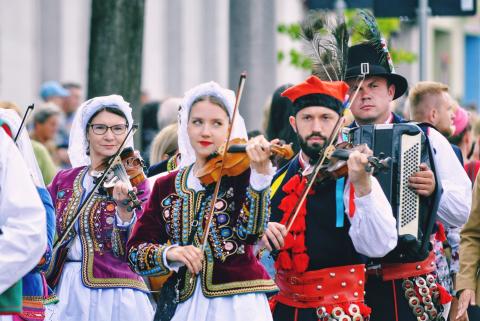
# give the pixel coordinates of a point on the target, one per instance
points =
(316, 169)
(89, 197)
(22, 124)
(241, 85)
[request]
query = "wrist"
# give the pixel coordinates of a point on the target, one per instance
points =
(363, 187)
(262, 168)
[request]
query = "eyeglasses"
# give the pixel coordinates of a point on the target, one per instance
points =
(100, 129)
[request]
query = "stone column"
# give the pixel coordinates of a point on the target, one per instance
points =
(50, 39)
(174, 48)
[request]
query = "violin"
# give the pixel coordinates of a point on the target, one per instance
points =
(236, 160)
(337, 165)
(130, 171)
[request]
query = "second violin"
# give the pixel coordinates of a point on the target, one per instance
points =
(130, 171)
(236, 160)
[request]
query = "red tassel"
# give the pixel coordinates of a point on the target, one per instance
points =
(445, 297)
(272, 302)
(284, 261)
(300, 262)
(298, 225)
(299, 244)
(286, 206)
(288, 241)
(292, 184)
(365, 310)
(440, 235)
(295, 239)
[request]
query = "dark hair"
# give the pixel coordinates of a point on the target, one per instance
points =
(278, 124)
(42, 115)
(455, 140)
(213, 99)
(70, 85)
(254, 133)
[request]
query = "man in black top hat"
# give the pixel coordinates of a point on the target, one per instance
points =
(396, 299)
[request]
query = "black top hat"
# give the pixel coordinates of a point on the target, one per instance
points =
(373, 62)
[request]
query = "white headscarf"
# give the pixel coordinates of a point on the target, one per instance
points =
(11, 118)
(227, 96)
(77, 147)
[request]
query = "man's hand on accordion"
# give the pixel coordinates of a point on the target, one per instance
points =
(423, 182)
(359, 177)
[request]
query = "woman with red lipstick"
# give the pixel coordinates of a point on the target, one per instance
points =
(225, 279)
(95, 283)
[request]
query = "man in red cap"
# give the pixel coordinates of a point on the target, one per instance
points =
(319, 266)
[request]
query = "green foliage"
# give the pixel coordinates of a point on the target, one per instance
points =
(388, 27)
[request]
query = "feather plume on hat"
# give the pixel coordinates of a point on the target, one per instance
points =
(366, 26)
(326, 43)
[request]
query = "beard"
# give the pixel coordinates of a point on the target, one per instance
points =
(314, 150)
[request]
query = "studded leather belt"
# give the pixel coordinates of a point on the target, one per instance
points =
(397, 271)
(330, 286)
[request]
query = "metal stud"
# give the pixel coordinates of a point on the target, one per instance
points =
(357, 317)
(321, 312)
(337, 312)
(353, 309)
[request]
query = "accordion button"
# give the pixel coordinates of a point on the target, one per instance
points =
(355, 294)
(319, 287)
(332, 274)
(344, 284)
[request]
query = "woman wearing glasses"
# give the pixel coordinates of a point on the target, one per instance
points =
(95, 282)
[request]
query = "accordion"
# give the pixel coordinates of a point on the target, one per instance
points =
(406, 145)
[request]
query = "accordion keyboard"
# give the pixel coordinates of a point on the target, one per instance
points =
(408, 214)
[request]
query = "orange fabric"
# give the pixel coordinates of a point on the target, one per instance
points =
(313, 85)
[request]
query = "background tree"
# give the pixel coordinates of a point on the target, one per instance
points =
(389, 27)
(115, 54)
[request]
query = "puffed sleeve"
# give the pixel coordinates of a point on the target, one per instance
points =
(23, 237)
